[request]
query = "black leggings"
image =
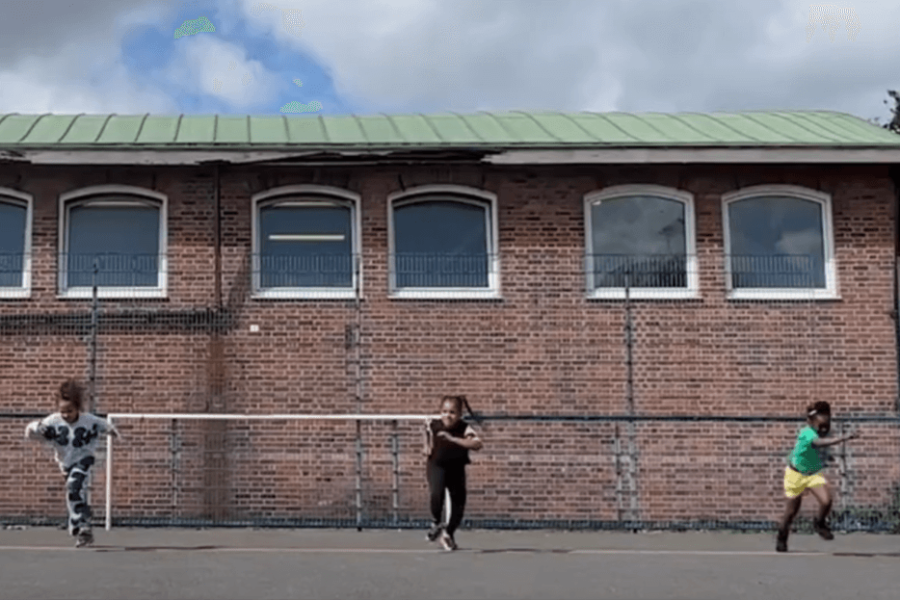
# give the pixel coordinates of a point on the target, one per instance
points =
(453, 479)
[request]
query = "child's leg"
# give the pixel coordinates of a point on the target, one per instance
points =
(436, 483)
(793, 491)
(791, 507)
(76, 502)
(823, 495)
(456, 485)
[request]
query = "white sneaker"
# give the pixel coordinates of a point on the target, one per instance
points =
(85, 538)
(434, 532)
(447, 541)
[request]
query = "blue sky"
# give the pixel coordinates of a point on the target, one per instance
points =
(150, 47)
(407, 56)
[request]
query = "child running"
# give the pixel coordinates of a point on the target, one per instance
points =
(73, 435)
(803, 473)
(447, 444)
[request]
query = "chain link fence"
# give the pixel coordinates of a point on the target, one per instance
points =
(621, 392)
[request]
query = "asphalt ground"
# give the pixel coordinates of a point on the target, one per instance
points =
(266, 564)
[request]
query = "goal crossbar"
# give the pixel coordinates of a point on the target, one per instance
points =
(237, 417)
(112, 417)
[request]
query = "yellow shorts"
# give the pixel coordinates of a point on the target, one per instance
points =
(796, 483)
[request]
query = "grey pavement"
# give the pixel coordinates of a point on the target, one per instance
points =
(40, 563)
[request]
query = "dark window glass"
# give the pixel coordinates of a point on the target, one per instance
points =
(776, 242)
(441, 244)
(122, 240)
(639, 241)
(12, 244)
(305, 246)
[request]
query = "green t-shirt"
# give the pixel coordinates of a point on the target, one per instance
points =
(805, 457)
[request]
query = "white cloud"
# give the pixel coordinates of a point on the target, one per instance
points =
(804, 241)
(67, 83)
(221, 69)
(697, 55)
(68, 61)
(464, 55)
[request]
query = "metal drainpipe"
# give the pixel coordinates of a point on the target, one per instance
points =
(218, 248)
(895, 178)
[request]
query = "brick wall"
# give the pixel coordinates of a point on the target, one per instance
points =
(542, 349)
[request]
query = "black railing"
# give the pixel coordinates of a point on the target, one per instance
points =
(434, 270)
(639, 271)
(776, 271)
(305, 271)
(112, 270)
(12, 269)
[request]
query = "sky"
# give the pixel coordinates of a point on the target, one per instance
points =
(333, 57)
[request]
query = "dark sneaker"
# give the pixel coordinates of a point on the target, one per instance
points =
(781, 542)
(447, 541)
(85, 538)
(435, 532)
(823, 530)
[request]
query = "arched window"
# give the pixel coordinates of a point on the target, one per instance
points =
(778, 243)
(640, 238)
(443, 243)
(305, 243)
(113, 237)
(15, 244)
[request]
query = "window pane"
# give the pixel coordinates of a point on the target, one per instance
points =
(640, 239)
(441, 244)
(123, 239)
(12, 244)
(306, 246)
(776, 242)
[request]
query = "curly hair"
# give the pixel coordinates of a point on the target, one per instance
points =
(71, 391)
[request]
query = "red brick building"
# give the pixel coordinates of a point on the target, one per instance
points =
(642, 306)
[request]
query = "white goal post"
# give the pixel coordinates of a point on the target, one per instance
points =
(113, 417)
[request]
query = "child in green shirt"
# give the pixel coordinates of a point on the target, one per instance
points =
(803, 473)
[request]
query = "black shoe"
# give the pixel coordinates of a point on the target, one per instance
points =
(823, 530)
(781, 542)
(435, 532)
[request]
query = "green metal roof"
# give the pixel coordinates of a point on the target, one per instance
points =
(519, 130)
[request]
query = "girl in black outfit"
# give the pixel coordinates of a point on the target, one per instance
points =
(447, 445)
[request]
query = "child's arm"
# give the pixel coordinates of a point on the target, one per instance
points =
(426, 448)
(471, 441)
(820, 442)
(104, 427)
(37, 430)
(109, 429)
(32, 432)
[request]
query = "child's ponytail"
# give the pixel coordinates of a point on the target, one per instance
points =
(475, 417)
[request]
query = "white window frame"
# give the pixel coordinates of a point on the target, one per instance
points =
(308, 195)
(691, 291)
(99, 195)
(17, 198)
(463, 195)
(830, 292)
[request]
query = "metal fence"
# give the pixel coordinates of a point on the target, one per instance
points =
(617, 391)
